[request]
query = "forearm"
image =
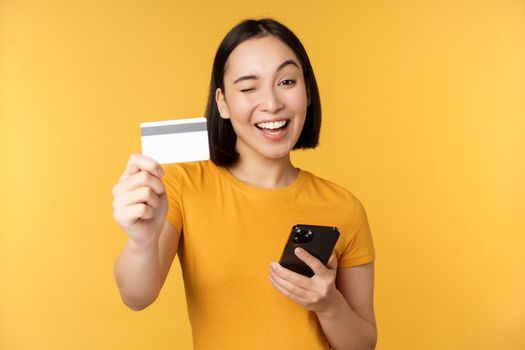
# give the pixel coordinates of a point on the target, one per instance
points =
(344, 329)
(137, 273)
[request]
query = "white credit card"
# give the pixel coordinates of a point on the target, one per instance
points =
(175, 141)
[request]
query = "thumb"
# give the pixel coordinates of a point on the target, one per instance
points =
(332, 262)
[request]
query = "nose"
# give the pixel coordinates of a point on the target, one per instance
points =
(270, 101)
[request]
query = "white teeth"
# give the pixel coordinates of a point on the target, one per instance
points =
(272, 125)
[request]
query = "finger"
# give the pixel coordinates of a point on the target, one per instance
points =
(315, 264)
(291, 276)
(332, 262)
(143, 211)
(289, 286)
(140, 179)
(286, 293)
(139, 162)
(140, 195)
(130, 215)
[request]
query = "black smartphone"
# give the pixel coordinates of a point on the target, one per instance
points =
(319, 241)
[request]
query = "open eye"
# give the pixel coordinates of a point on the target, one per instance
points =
(288, 80)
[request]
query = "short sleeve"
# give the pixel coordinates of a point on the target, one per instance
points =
(172, 180)
(359, 247)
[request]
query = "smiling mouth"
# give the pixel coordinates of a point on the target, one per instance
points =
(273, 126)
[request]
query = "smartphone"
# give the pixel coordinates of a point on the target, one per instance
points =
(319, 241)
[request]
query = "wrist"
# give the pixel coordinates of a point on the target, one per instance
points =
(336, 304)
(142, 246)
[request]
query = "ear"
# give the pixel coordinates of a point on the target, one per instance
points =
(221, 104)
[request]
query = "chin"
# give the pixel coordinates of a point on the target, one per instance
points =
(277, 154)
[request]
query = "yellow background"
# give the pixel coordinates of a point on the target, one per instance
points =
(423, 106)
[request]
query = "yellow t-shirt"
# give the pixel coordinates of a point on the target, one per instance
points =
(231, 231)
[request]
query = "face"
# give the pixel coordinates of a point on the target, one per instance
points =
(264, 96)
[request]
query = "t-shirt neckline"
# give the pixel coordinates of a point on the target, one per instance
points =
(270, 192)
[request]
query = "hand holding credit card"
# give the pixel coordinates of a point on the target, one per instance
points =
(175, 141)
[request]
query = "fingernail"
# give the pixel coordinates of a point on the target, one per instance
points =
(160, 172)
(298, 251)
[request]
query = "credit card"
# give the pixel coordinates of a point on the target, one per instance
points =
(175, 141)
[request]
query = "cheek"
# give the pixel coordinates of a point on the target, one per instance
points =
(299, 104)
(241, 108)
(298, 100)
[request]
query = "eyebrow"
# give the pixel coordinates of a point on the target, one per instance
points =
(281, 66)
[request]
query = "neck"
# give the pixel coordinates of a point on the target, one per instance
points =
(265, 172)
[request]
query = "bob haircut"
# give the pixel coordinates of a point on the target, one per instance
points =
(221, 134)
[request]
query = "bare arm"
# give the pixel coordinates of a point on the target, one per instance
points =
(351, 324)
(141, 270)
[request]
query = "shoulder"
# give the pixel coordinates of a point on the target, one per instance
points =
(191, 175)
(333, 191)
(189, 169)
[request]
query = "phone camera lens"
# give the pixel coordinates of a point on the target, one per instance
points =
(302, 236)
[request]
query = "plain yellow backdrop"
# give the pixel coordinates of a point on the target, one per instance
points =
(424, 121)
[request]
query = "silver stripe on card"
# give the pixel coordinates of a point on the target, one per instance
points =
(172, 129)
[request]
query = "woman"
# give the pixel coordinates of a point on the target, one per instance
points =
(229, 217)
